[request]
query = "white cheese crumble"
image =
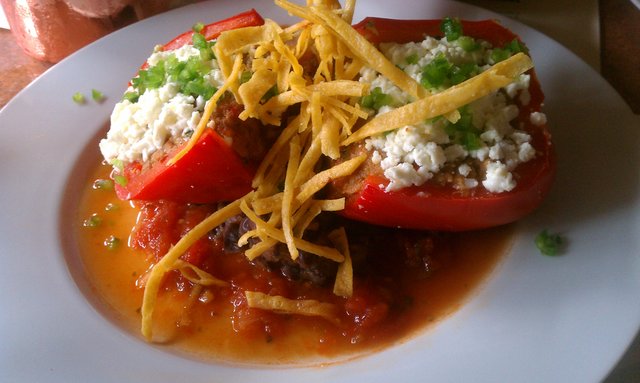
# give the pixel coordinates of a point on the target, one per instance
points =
(412, 155)
(159, 116)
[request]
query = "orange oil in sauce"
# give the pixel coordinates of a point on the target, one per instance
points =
(205, 330)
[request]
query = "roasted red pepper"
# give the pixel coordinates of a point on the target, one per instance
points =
(211, 171)
(437, 207)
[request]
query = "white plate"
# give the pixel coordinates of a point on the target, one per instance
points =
(538, 319)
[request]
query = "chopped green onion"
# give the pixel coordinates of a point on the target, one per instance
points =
(436, 73)
(94, 221)
(376, 99)
(198, 27)
(452, 28)
(467, 43)
(132, 97)
(501, 54)
(441, 73)
(412, 59)
(548, 243)
(78, 98)
(245, 76)
(103, 184)
(118, 164)
(273, 91)
(463, 132)
(120, 180)
(112, 242)
(96, 95)
(463, 72)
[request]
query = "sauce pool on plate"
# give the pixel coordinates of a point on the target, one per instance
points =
(411, 281)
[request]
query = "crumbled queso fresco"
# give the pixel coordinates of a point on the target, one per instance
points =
(159, 115)
(412, 155)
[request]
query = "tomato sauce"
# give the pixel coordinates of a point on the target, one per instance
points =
(393, 299)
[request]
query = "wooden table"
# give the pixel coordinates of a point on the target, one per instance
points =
(620, 65)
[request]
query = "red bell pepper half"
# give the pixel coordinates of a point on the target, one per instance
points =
(211, 171)
(435, 207)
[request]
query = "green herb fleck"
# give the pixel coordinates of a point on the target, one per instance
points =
(273, 91)
(245, 76)
(467, 43)
(78, 98)
(412, 59)
(118, 164)
(120, 180)
(132, 97)
(94, 221)
(549, 243)
(463, 132)
(103, 184)
(96, 95)
(112, 242)
(376, 99)
(452, 28)
(501, 54)
(198, 27)
(440, 73)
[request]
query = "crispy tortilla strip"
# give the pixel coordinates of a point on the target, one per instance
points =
(197, 275)
(234, 41)
(154, 281)
(287, 195)
(501, 74)
(358, 44)
(252, 91)
(321, 179)
(343, 285)
(277, 234)
(282, 305)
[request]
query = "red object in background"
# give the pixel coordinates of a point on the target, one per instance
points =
(435, 207)
(50, 30)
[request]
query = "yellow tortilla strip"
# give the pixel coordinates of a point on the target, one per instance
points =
(343, 285)
(282, 305)
(277, 234)
(501, 74)
(197, 275)
(364, 50)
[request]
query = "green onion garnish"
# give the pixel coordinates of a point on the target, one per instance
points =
(96, 95)
(198, 27)
(452, 28)
(103, 184)
(78, 98)
(273, 91)
(245, 76)
(468, 44)
(463, 132)
(118, 164)
(376, 99)
(412, 59)
(548, 243)
(120, 180)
